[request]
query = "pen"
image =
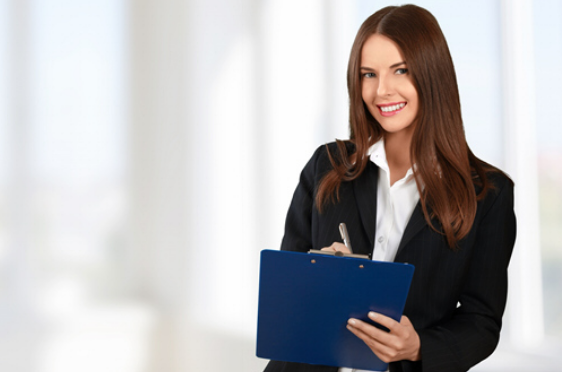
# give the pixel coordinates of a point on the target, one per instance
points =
(345, 237)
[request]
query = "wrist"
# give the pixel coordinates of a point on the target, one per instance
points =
(416, 356)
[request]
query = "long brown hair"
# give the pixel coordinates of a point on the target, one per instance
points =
(445, 165)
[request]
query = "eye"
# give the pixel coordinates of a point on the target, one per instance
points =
(369, 75)
(401, 71)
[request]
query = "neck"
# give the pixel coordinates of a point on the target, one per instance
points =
(397, 148)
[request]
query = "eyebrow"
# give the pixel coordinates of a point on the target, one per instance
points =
(393, 66)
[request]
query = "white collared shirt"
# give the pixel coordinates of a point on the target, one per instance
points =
(395, 205)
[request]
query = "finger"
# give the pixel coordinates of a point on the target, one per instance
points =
(331, 248)
(385, 353)
(385, 321)
(371, 331)
(336, 246)
(340, 247)
(405, 321)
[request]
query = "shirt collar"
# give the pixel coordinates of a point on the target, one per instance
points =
(377, 154)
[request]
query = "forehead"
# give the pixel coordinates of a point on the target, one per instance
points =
(380, 51)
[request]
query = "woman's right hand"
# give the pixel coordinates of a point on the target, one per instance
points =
(337, 246)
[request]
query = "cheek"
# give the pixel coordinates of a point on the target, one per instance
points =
(367, 93)
(415, 101)
(412, 97)
(364, 94)
(412, 93)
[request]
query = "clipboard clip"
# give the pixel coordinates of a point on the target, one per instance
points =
(340, 254)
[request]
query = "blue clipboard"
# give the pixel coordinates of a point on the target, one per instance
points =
(306, 299)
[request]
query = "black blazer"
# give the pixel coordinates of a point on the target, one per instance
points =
(457, 297)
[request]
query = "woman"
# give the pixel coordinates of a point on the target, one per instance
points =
(410, 190)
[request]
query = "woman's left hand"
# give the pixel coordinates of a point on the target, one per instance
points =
(401, 343)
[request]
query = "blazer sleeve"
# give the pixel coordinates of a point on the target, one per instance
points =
(472, 333)
(298, 224)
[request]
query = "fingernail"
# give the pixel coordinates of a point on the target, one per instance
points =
(372, 315)
(351, 321)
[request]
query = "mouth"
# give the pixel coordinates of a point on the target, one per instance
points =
(391, 109)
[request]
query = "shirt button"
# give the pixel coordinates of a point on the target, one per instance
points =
(381, 239)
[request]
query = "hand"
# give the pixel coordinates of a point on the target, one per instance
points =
(336, 246)
(401, 343)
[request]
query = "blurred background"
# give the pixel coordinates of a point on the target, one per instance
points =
(149, 150)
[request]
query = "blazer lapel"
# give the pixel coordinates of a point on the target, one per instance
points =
(416, 223)
(365, 189)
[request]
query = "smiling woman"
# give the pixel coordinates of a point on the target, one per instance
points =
(391, 97)
(436, 140)
(387, 89)
(410, 190)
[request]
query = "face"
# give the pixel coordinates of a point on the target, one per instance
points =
(387, 87)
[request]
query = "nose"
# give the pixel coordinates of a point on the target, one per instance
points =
(385, 86)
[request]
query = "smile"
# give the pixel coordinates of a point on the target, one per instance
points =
(390, 110)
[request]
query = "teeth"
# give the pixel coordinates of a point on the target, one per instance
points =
(393, 107)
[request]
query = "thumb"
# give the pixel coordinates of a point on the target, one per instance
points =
(405, 320)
